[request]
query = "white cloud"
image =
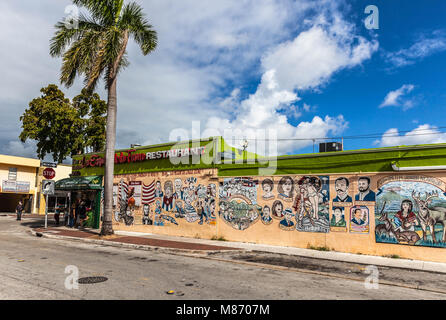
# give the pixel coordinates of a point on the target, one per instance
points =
(208, 56)
(422, 48)
(307, 62)
(395, 98)
(423, 134)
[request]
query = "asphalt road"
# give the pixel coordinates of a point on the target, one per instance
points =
(34, 268)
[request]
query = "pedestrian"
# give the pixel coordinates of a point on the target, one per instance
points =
(72, 215)
(19, 210)
(57, 213)
(66, 215)
(82, 213)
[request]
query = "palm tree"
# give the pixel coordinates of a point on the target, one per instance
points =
(96, 49)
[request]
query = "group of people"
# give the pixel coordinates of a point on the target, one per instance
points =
(75, 216)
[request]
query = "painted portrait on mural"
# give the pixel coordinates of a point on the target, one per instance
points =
(277, 209)
(168, 197)
(146, 218)
(411, 210)
(286, 223)
(238, 205)
(311, 205)
(337, 222)
(365, 194)
(285, 189)
(266, 215)
(267, 187)
(341, 188)
(359, 219)
(158, 190)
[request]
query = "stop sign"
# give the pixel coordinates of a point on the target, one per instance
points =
(49, 173)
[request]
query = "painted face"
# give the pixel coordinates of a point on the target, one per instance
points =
(363, 185)
(288, 216)
(337, 213)
(358, 214)
(287, 186)
(212, 207)
(178, 185)
(266, 211)
(146, 209)
(168, 191)
(279, 209)
(158, 185)
(405, 206)
(341, 187)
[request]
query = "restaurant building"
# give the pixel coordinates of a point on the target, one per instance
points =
(383, 201)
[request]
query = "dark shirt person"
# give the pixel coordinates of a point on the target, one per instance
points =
(18, 211)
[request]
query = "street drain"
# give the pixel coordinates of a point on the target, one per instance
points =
(89, 280)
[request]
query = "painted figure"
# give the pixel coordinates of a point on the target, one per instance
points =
(267, 186)
(358, 217)
(405, 219)
(179, 210)
(341, 187)
(146, 220)
(266, 215)
(168, 198)
(338, 219)
(286, 188)
(179, 193)
(365, 194)
(277, 209)
(287, 223)
(158, 190)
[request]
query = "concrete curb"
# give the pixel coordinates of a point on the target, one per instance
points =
(130, 245)
(309, 253)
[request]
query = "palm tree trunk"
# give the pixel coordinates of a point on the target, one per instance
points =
(110, 138)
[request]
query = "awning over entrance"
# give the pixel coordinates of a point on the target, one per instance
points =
(80, 183)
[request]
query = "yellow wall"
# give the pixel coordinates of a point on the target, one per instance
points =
(26, 171)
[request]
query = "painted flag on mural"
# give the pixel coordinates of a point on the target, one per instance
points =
(148, 193)
(123, 190)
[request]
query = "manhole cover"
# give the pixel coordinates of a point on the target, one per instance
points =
(88, 280)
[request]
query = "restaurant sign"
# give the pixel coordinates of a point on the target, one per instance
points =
(132, 156)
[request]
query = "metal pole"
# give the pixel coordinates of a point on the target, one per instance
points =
(46, 212)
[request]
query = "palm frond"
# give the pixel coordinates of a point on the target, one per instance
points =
(133, 19)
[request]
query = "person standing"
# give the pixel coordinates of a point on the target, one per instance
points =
(57, 213)
(18, 211)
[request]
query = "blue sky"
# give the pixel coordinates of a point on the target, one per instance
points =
(305, 69)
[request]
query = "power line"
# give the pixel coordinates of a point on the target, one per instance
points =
(364, 136)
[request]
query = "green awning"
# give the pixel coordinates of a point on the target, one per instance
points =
(80, 183)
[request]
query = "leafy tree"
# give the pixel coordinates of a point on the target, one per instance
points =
(96, 49)
(62, 127)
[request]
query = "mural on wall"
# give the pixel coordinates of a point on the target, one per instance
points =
(285, 189)
(359, 219)
(238, 202)
(311, 205)
(126, 204)
(286, 223)
(342, 193)
(364, 194)
(166, 200)
(411, 210)
(337, 222)
(266, 215)
(268, 187)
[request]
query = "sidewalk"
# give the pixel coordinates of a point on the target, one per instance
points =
(149, 241)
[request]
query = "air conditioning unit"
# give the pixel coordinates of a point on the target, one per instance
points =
(330, 146)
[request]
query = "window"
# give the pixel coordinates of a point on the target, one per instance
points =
(12, 175)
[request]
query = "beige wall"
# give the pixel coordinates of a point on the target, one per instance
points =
(343, 240)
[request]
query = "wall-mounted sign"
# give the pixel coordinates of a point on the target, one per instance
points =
(15, 186)
(132, 156)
